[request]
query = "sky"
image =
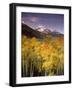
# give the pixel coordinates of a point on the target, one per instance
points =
(54, 22)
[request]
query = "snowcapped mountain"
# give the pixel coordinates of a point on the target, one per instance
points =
(43, 30)
(48, 31)
(39, 32)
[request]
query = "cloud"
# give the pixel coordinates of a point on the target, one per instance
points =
(34, 19)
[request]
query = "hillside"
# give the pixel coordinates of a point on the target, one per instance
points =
(29, 32)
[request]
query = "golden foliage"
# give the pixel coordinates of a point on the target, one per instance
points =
(45, 55)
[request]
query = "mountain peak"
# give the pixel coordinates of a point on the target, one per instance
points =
(43, 29)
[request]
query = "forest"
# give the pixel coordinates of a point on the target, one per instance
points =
(42, 57)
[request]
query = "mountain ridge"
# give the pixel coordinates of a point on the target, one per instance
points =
(29, 32)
